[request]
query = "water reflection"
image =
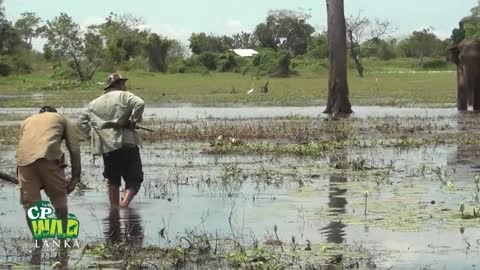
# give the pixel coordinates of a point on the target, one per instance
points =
(337, 202)
(124, 225)
(467, 154)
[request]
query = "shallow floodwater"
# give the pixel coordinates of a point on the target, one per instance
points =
(198, 113)
(246, 196)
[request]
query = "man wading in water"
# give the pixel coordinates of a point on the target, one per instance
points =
(110, 122)
(41, 163)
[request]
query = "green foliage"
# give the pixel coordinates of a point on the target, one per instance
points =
(270, 62)
(227, 62)
(5, 69)
(458, 34)
(469, 26)
(10, 38)
(64, 37)
(94, 45)
(137, 63)
(64, 85)
(65, 41)
(436, 64)
(421, 44)
(156, 51)
(318, 46)
(28, 27)
(286, 29)
(383, 49)
(208, 60)
(202, 43)
(124, 38)
(244, 40)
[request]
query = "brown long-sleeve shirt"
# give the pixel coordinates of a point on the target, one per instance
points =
(41, 136)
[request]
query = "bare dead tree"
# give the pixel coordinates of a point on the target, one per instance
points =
(362, 34)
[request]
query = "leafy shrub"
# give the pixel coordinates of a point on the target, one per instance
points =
(138, 63)
(5, 69)
(270, 62)
(208, 60)
(66, 85)
(227, 62)
(435, 64)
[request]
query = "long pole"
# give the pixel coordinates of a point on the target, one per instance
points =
(8, 178)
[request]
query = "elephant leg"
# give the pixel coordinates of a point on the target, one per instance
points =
(462, 91)
(462, 99)
(470, 96)
(476, 98)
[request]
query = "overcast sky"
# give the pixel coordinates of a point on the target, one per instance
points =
(179, 18)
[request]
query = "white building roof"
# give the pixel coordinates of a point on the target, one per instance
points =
(245, 52)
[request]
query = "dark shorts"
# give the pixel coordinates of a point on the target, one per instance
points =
(124, 163)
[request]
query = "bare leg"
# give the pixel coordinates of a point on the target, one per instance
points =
(129, 195)
(29, 224)
(114, 195)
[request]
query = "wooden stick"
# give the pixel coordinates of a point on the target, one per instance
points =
(8, 178)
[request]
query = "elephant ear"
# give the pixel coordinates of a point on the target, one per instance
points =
(454, 54)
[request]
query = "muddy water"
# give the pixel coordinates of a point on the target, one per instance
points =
(197, 113)
(245, 196)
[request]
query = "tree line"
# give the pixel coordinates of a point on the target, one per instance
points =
(122, 42)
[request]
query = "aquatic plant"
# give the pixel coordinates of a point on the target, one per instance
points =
(477, 181)
(365, 196)
(462, 208)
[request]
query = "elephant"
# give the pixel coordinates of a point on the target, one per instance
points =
(466, 55)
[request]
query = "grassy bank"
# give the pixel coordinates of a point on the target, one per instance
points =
(388, 84)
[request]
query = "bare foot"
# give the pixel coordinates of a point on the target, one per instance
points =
(124, 204)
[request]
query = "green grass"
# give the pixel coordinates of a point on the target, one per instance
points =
(385, 83)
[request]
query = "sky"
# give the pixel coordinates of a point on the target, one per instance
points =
(179, 18)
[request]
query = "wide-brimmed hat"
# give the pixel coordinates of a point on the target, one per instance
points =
(112, 79)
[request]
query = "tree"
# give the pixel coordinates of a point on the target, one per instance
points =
(338, 102)
(383, 49)
(359, 28)
(469, 26)
(318, 46)
(125, 36)
(10, 40)
(243, 41)
(94, 45)
(202, 43)
(156, 50)
(422, 44)
(2, 12)
(65, 41)
(458, 34)
(286, 29)
(29, 27)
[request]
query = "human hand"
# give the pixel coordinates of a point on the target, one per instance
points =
(131, 125)
(109, 125)
(72, 184)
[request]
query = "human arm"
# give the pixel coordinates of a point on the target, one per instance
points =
(84, 124)
(73, 146)
(137, 105)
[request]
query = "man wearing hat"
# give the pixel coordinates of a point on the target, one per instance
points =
(110, 122)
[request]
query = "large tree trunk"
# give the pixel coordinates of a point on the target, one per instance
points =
(338, 101)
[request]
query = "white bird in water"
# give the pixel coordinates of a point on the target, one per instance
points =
(251, 90)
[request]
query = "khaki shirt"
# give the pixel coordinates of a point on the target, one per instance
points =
(41, 136)
(113, 107)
